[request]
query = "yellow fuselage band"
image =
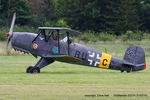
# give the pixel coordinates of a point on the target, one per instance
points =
(105, 61)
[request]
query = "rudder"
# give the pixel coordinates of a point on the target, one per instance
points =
(134, 58)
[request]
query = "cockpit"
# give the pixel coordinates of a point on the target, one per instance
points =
(62, 36)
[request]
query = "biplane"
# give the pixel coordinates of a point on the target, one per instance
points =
(55, 44)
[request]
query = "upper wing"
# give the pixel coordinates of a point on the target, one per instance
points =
(62, 29)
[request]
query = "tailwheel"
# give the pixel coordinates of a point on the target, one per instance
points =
(28, 69)
(128, 71)
(35, 70)
(122, 71)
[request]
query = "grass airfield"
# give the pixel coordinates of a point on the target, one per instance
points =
(61, 81)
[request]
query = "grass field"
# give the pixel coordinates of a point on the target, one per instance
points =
(60, 81)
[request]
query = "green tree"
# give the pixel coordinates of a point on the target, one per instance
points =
(21, 7)
(110, 15)
(145, 14)
(0, 12)
(113, 16)
(44, 12)
(80, 14)
(49, 10)
(129, 16)
(120, 16)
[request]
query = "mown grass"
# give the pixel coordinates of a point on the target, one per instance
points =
(66, 81)
(61, 81)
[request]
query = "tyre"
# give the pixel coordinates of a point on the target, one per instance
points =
(128, 70)
(122, 71)
(35, 70)
(28, 69)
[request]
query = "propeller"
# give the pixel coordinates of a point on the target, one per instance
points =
(10, 33)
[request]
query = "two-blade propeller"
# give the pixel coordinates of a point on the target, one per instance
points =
(10, 33)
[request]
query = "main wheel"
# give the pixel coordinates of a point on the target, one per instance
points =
(28, 69)
(35, 70)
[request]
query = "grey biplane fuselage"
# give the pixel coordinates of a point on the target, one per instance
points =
(75, 53)
(51, 48)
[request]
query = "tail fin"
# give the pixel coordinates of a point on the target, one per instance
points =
(134, 58)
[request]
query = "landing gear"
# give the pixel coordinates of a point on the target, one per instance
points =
(127, 69)
(40, 64)
(33, 70)
(28, 69)
(122, 71)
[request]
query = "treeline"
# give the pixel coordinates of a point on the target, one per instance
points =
(111, 16)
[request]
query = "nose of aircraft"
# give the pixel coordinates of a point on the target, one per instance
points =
(22, 40)
(8, 34)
